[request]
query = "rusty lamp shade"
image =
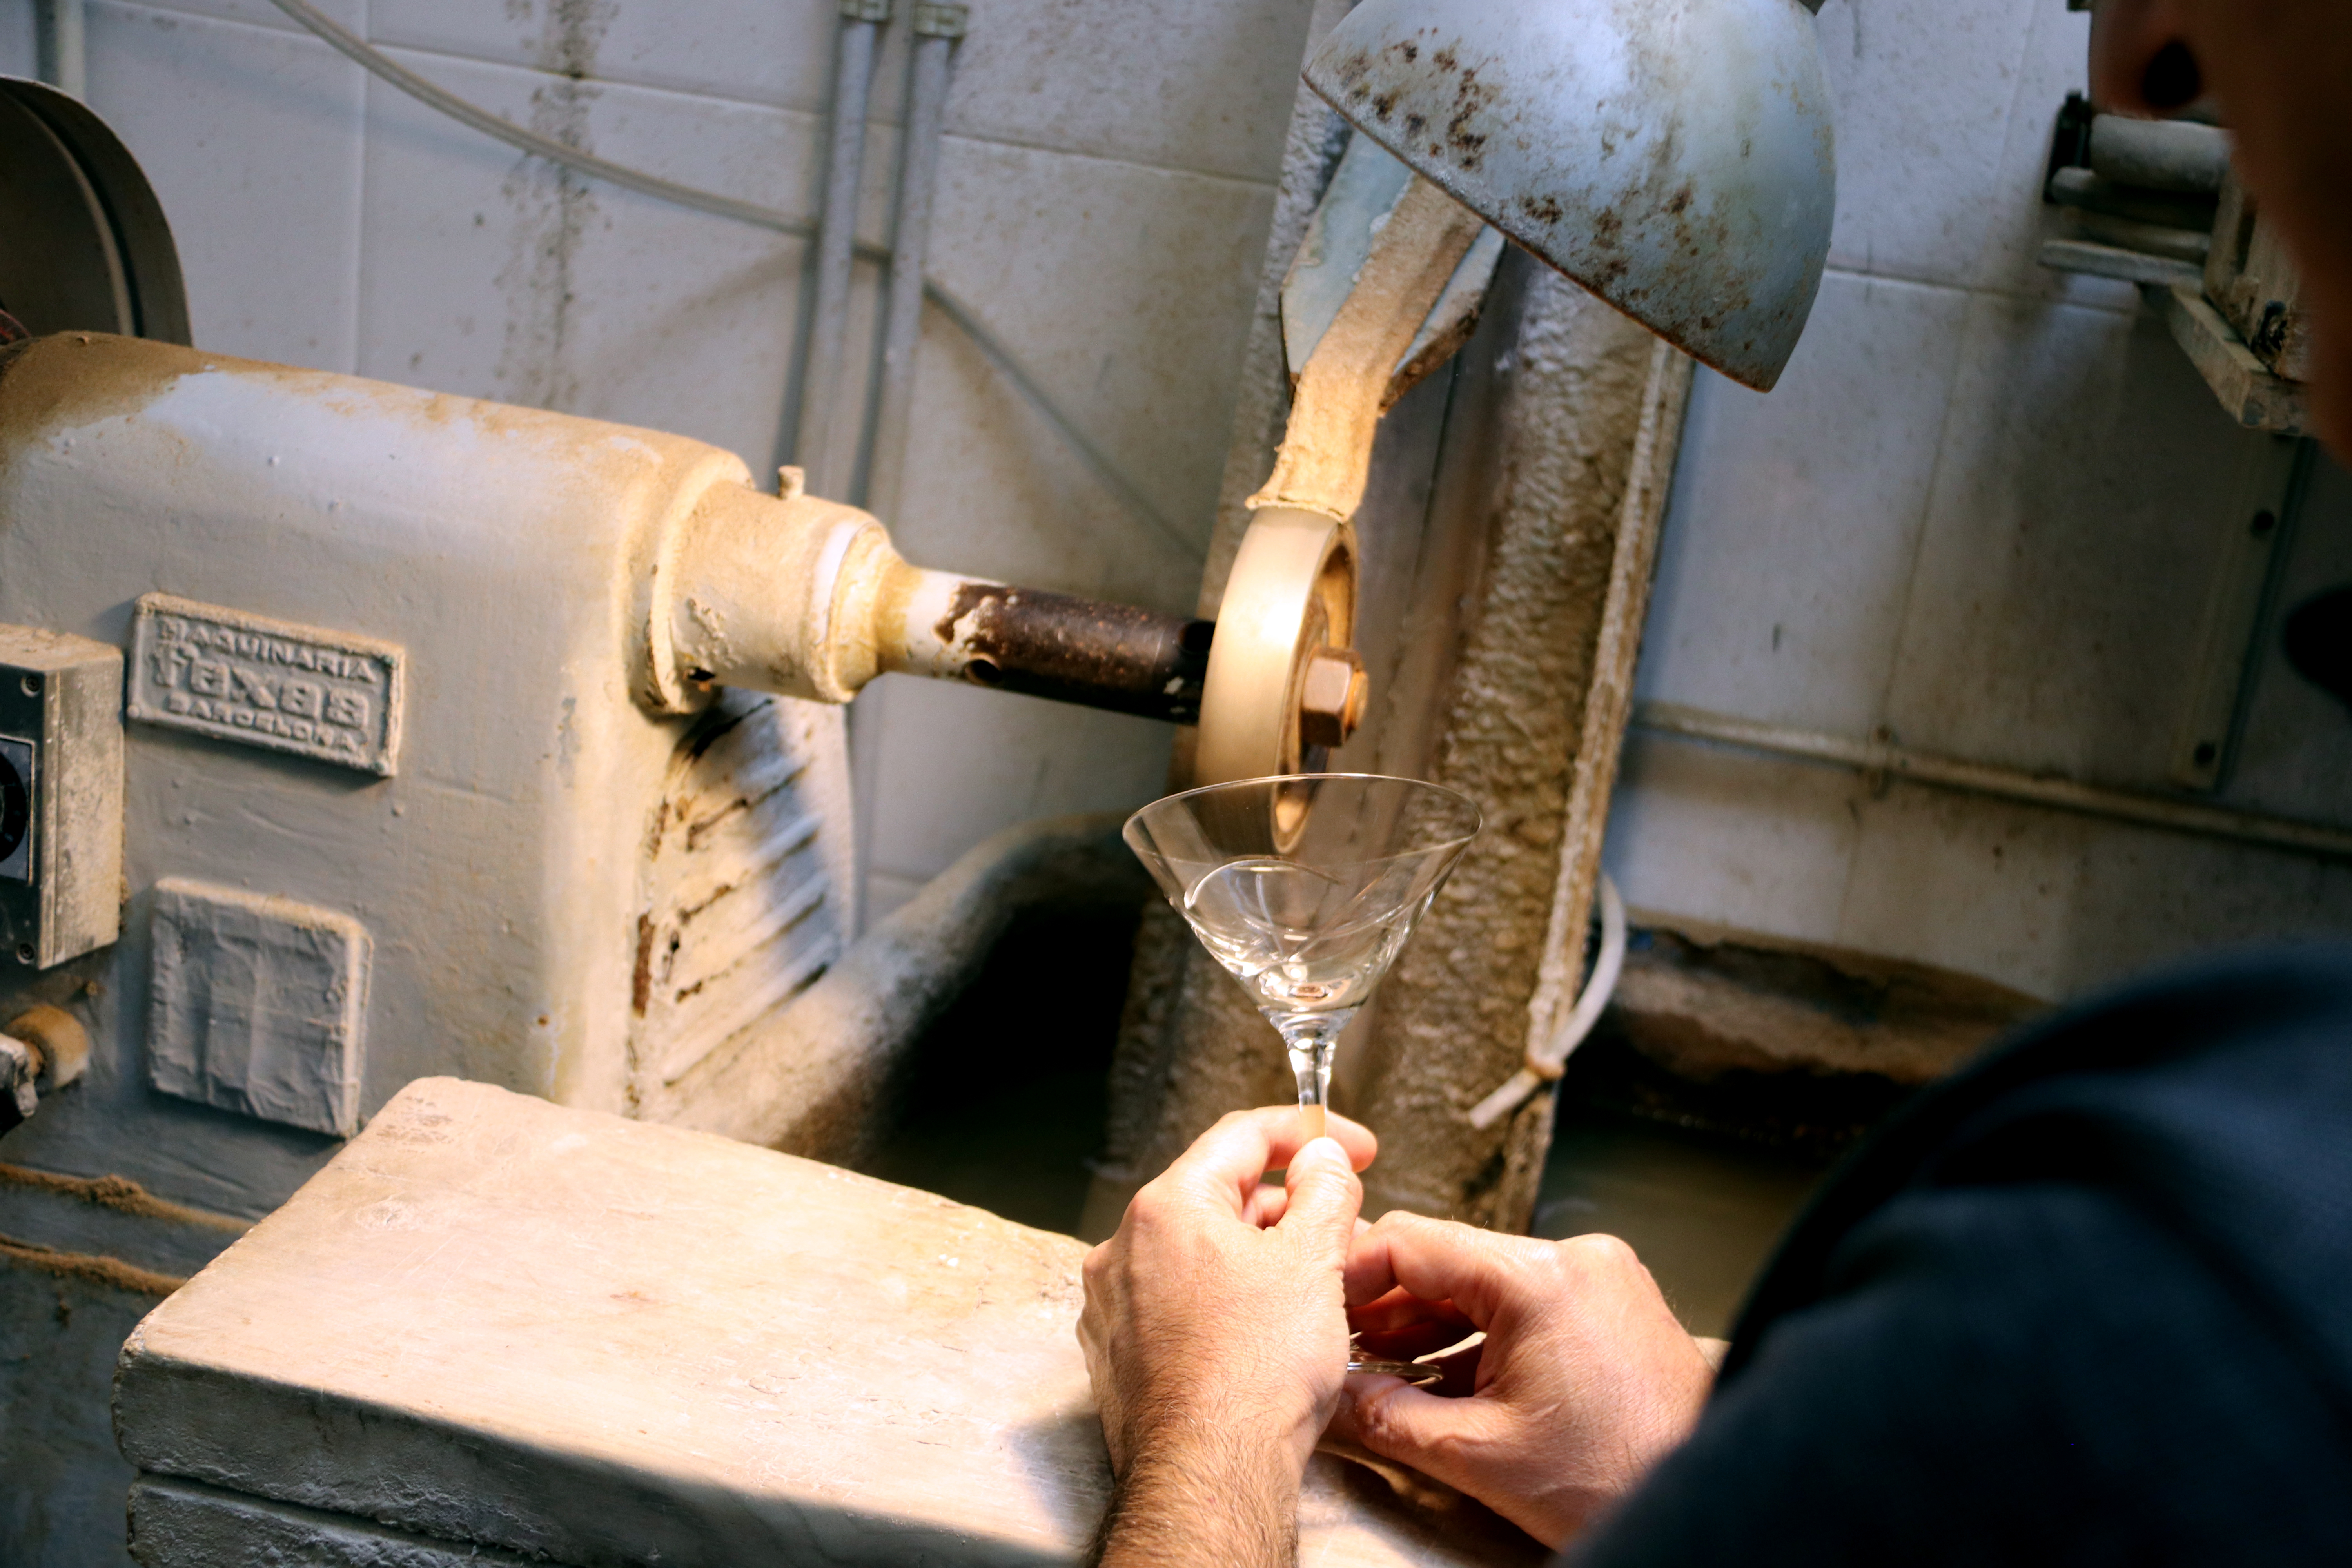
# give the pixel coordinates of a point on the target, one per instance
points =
(1673, 156)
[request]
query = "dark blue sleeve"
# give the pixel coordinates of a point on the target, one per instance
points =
(2004, 1373)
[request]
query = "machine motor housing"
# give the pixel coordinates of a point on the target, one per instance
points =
(390, 750)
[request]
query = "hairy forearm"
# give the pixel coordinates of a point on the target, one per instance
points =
(1205, 1500)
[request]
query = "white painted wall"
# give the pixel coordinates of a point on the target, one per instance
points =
(1979, 512)
(1107, 183)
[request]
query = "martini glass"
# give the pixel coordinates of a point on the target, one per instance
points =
(1305, 887)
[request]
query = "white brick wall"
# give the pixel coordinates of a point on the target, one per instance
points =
(1980, 511)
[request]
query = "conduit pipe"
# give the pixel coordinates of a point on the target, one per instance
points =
(824, 344)
(938, 24)
(1887, 759)
(995, 350)
(61, 45)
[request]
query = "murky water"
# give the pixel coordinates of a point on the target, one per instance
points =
(1704, 1215)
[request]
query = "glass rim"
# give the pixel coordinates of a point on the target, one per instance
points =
(1477, 815)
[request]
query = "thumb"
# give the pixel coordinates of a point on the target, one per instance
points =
(1399, 1422)
(1324, 1196)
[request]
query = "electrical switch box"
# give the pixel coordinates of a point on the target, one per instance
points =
(61, 796)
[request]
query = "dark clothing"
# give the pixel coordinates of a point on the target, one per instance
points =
(2089, 1301)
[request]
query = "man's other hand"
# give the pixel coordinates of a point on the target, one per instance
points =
(1584, 1381)
(1216, 1336)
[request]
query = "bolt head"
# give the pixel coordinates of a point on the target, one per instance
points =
(1331, 697)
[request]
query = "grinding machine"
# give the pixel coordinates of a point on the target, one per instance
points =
(353, 732)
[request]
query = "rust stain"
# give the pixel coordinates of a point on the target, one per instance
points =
(1435, 93)
(1072, 649)
(969, 597)
(641, 983)
(687, 913)
(702, 828)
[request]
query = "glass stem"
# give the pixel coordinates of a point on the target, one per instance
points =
(1312, 1038)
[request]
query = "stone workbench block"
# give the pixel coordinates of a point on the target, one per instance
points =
(500, 1323)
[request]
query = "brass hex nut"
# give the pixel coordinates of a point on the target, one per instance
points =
(1331, 697)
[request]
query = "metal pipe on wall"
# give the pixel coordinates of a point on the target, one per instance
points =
(61, 45)
(1884, 759)
(959, 313)
(822, 347)
(938, 24)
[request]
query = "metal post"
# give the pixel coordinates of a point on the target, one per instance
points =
(61, 47)
(822, 350)
(938, 24)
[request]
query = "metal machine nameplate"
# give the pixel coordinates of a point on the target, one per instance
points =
(320, 694)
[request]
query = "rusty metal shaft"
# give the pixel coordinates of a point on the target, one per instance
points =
(808, 597)
(1057, 646)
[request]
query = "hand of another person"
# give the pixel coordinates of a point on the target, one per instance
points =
(1216, 1337)
(1584, 1381)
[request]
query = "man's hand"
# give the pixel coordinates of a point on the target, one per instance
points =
(1584, 1382)
(1216, 1336)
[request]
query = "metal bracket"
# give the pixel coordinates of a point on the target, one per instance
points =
(1365, 189)
(61, 796)
(2251, 547)
(940, 19)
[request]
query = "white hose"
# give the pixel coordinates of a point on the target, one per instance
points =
(1546, 1063)
(993, 348)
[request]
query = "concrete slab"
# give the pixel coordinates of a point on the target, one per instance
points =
(495, 1321)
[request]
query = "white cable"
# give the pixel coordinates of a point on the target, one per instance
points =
(992, 348)
(1546, 1064)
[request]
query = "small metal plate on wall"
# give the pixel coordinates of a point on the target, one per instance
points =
(2250, 549)
(258, 1005)
(60, 796)
(326, 695)
(16, 793)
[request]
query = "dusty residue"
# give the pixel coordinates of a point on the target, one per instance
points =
(1454, 1013)
(554, 206)
(123, 1195)
(1703, 1005)
(90, 1267)
(1327, 448)
(69, 380)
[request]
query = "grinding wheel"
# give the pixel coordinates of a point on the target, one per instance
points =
(1292, 590)
(83, 243)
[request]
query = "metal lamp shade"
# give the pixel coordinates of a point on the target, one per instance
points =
(1673, 156)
